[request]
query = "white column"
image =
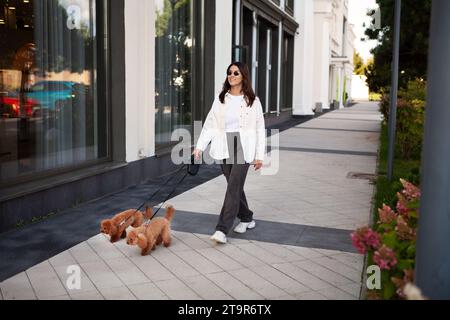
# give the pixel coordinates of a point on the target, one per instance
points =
(254, 65)
(224, 38)
(333, 83)
(321, 60)
(341, 87)
(304, 55)
(140, 79)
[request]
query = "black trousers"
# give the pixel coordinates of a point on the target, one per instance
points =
(235, 170)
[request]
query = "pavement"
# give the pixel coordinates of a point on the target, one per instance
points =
(300, 249)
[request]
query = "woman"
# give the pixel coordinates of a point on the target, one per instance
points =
(235, 127)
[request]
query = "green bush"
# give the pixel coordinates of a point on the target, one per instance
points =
(410, 121)
(375, 96)
(410, 118)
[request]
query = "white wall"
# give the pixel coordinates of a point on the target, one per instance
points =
(303, 103)
(140, 78)
(224, 37)
(321, 60)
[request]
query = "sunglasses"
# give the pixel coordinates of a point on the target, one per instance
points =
(236, 73)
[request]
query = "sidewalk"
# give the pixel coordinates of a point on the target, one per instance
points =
(301, 248)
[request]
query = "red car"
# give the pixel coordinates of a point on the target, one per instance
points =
(9, 107)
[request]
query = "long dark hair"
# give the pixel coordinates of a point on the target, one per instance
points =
(247, 89)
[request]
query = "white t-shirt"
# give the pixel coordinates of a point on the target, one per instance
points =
(232, 114)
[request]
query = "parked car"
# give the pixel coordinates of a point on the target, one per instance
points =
(52, 95)
(9, 107)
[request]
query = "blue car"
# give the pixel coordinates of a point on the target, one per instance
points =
(52, 95)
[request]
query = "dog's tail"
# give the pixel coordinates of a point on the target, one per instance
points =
(170, 211)
(148, 212)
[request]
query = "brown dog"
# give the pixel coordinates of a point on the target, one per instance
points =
(116, 226)
(147, 237)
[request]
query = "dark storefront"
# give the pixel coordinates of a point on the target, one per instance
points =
(63, 99)
(267, 51)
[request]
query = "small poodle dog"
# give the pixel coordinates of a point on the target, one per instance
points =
(147, 237)
(116, 226)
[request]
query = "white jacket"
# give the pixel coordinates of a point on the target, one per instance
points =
(252, 131)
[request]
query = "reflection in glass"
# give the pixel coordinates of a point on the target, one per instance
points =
(173, 68)
(48, 109)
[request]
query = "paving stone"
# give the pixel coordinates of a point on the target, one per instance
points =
(119, 293)
(152, 268)
(237, 254)
(220, 259)
(199, 262)
(18, 288)
(302, 276)
(101, 275)
(46, 282)
(147, 291)
(233, 287)
(90, 295)
(280, 279)
(323, 273)
(311, 295)
(257, 283)
(205, 288)
(266, 255)
(336, 294)
(175, 289)
(127, 271)
(84, 253)
(174, 263)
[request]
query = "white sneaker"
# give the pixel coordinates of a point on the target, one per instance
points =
(219, 237)
(243, 226)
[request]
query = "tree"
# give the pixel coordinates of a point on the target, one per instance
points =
(359, 64)
(415, 22)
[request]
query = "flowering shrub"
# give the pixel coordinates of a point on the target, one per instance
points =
(410, 118)
(391, 243)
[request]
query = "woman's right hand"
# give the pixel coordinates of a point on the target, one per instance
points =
(197, 154)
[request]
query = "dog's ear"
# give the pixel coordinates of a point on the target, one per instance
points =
(105, 226)
(131, 237)
(112, 228)
(142, 240)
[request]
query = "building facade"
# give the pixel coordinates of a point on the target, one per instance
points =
(91, 90)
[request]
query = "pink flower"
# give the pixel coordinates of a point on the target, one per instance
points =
(403, 230)
(402, 205)
(385, 258)
(364, 239)
(387, 215)
(411, 192)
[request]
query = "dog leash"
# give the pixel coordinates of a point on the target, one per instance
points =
(168, 196)
(192, 169)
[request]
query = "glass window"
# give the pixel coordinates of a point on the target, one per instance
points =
(174, 48)
(48, 78)
(290, 6)
(287, 69)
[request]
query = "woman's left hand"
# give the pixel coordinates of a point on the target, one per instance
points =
(258, 164)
